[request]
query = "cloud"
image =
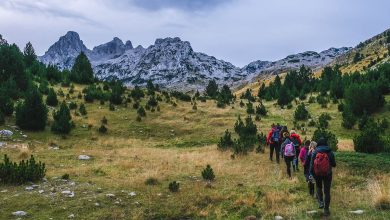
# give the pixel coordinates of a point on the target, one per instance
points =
(188, 5)
(46, 8)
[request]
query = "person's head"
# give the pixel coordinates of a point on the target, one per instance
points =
(278, 125)
(273, 125)
(322, 142)
(313, 145)
(307, 143)
(292, 132)
(286, 134)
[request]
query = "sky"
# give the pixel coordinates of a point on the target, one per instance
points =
(238, 31)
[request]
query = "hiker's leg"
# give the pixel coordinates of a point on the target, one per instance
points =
(288, 165)
(277, 151)
(327, 185)
(311, 188)
(320, 195)
(271, 150)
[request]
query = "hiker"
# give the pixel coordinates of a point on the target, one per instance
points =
(296, 139)
(288, 151)
(305, 158)
(273, 139)
(321, 165)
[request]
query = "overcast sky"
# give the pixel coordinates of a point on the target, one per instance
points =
(238, 31)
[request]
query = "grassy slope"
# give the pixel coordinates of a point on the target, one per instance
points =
(175, 144)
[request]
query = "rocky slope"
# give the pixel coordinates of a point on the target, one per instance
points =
(172, 63)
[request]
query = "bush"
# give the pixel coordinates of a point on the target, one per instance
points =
(65, 176)
(301, 112)
(174, 186)
(82, 109)
(330, 138)
(141, 112)
(340, 107)
(62, 120)
(369, 140)
(51, 99)
(32, 113)
(104, 120)
(323, 120)
(6, 104)
(181, 96)
(111, 107)
(72, 106)
(226, 141)
(136, 105)
(311, 123)
(242, 104)
(247, 135)
(102, 129)
(249, 108)
(384, 124)
(25, 171)
(260, 110)
(349, 119)
(208, 173)
(151, 181)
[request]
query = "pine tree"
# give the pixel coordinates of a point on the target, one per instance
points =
(29, 54)
(260, 110)
(208, 173)
(212, 89)
(249, 108)
(31, 114)
(6, 104)
(284, 97)
(82, 70)
(62, 120)
(51, 99)
(226, 141)
(82, 109)
(137, 93)
(301, 112)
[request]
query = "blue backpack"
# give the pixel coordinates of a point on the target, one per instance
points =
(275, 135)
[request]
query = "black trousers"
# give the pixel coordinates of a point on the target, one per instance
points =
(323, 184)
(288, 161)
(274, 147)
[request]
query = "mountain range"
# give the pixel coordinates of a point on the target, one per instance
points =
(172, 63)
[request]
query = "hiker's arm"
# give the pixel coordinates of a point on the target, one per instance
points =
(332, 160)
(311, 170)
(269, 137)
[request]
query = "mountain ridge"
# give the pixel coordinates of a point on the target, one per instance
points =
(172, 63)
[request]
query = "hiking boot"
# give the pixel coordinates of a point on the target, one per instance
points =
(326, 212)
(321, 205)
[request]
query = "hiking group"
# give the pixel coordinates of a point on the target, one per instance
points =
(316, 158)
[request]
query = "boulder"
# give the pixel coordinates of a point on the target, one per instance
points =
(278, 217)
(357, 212)
(19, 213)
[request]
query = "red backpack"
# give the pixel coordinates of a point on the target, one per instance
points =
(321, 164)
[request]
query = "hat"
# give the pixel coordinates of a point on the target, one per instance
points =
(292, 132)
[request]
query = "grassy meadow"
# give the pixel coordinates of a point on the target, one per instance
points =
(176, 144)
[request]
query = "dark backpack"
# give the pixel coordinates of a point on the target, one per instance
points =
(321, 164)
(295, 141)
(275, 135)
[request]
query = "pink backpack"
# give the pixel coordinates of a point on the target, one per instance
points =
(289, 150)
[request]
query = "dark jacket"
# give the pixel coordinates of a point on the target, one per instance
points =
(324, 149)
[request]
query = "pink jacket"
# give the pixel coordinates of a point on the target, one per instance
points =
(302, 155)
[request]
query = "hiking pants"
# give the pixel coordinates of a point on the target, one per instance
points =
(274, 146)
(288, 161)
(310, 184)
(323, 187)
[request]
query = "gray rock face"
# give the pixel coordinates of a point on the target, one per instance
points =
(172, 63)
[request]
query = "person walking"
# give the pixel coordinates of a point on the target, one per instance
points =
(296, 139)
(273, 140)
(305, 158)
(288, 151)
(321, 165)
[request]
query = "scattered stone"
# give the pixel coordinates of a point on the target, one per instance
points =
(25, 136)
(132, 194)
(41, 191)
(68, 193)
(357, 212)
(251, 217)
(117, 202)
(278, 217)
(29, 188)
(4, 191)
(110, 195)
(84, 157)
(71, 216)
(6, 133)
(97, 204)
(311, 212)
(19, 213)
